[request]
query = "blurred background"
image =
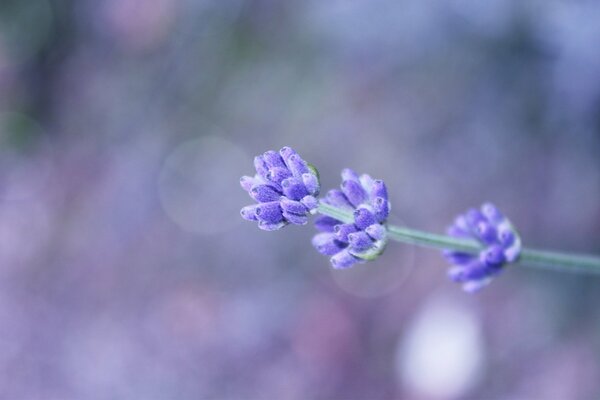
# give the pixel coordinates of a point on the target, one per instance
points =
(126, 271)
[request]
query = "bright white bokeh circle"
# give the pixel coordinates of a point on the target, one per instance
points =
(441, 355)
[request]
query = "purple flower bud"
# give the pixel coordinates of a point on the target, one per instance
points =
(327, 244)
(360, 241)
(455, 231)
(247, 182)
(261, 166)
(343, 230)
(294, 188)
(363, 218)
(492, 213)
(277, 174)
(474, 217)
(350, 175)
(493, 255)
(292, 206)
(269, 212)
(297, 165)
(343, 259)
(500, 244)
(264, 193)
(273, 160)
(354, 192)
(310, 202)
(337, 198)
(311, 183)
(376, 231)
(381, 208)
(486, 232)
(286, 152)
(473, 271)
(249, 213)
(379, 189)
(326, 224)
(506, 237)
(295, 218)
(457, 257)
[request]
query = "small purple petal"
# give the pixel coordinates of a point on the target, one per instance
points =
(261, 166)
(343, 260)
(278, 174)
(343, 230)
(461, 223)
(337, 198)
(249, 212)
(295, 218)
(264, 193)
(297, 165)
(326, 244)
(269, 212)
(354, 192)
(311, 183)
(360, 241)
(246, 182)
(474, 217)
(512, 253)
(363, 218)
(458, 258)
(325, 223)
(310, 202)
(292, 206)
(379, 189)
(506, 237)
(492, 256)
(294, 188)
(457, 232)
(473, 271)
(492, 213)
(349, 175)
(367, 183)
(381, 207)
(376, 231)
(486, 232)
(273, 159)
(286, 152)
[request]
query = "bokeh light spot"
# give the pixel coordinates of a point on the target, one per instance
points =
(442, 352)
(197, 182)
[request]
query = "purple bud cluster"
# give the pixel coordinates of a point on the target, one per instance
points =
(501, 243)
(365, 238)
(285, 189)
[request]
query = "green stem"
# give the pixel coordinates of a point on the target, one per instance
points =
(529, 257)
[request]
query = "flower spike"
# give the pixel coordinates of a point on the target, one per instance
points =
(501, 242)
(285, 188)
(365, 238)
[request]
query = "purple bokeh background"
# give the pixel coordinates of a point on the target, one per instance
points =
(126, 271)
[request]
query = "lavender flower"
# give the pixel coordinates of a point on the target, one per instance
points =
(363, 240)
(502, 245)
(285, 189)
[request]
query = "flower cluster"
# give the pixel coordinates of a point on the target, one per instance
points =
(352, 227)
(365, 238)
(285, 189)
(501, 243)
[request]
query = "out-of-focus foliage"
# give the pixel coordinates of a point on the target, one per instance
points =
(126, 271)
